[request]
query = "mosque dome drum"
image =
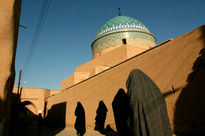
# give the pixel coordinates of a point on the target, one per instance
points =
(122, 27)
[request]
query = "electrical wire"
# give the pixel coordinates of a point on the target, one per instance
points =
(40, 23)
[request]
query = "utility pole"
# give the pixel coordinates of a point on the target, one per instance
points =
(18, 91)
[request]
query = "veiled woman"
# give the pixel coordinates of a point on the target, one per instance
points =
(148, 108)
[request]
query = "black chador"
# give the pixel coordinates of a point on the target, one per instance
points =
(148, 108)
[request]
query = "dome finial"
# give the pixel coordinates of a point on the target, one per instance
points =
(119, 13)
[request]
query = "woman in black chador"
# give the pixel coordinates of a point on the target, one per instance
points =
(148, 108)
(80, 119)
(100, 117)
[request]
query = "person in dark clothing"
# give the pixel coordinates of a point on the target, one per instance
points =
(39, 123)
(148, 108)
(80, 119)
(121, 112)
(100, 117)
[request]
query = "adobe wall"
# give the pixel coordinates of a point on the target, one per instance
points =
(110, 58)
(133, 50)
(105, 51)
(54, 92)
(67, 82)
(9, 24)
(168, 65)
(36, 96)
(97, 65)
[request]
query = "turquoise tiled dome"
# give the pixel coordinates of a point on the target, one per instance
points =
(112, 33)
(121, 23)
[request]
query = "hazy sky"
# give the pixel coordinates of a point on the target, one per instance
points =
(71, 25)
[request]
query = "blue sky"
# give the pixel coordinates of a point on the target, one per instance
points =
(71, 25)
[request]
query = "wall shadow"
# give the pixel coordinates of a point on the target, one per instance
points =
(110, 132)
(189, 116)
(101, 114)
(121, 112)
(55, 119)
(56, 115)
(25, 122)
(80, 119)
(22, 119)
(171, 91)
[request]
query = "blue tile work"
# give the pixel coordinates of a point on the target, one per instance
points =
(121, 23)
(112, 33)
(115, 39)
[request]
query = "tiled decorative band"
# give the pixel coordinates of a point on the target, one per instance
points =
(114, 39)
